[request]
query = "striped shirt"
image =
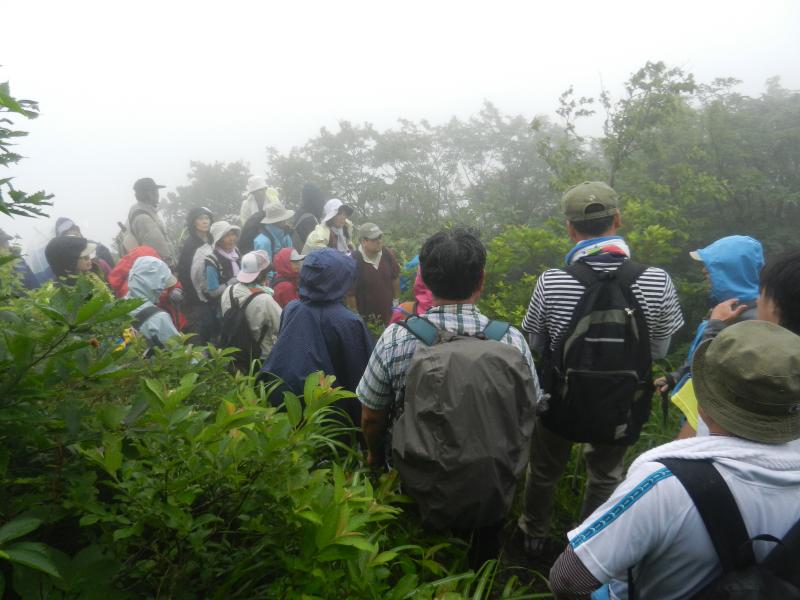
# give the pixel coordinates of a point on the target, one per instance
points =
(557, 294)
(382, 385)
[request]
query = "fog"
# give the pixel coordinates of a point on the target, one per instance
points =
(140, 90)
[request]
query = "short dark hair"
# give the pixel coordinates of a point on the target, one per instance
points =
(780, 282)
(261, 277)
(452, 262)
(594, 226)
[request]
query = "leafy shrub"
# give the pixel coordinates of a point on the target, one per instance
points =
(125, 477)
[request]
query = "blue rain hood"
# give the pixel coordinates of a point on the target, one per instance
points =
(148, 277)
(327, 275)
(734, 264)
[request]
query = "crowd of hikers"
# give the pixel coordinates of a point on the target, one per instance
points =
(457, 404)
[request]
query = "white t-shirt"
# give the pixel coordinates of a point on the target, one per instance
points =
(651, 522)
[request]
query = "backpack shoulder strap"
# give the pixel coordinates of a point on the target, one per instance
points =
(583, 273)
(250, 298)
(496, 330)
(718, 509)
(784, 560)
(272, 241)
(145, 314)
(629, 271)
(422, 329)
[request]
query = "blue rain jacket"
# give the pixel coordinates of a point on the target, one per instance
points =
(148, 277)
(319, 333)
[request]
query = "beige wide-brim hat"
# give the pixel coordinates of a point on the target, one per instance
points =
(276, 213)
(748, 380)
(220, 229)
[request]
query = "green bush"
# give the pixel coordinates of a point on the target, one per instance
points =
(168, 477)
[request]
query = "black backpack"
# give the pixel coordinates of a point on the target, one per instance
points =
(250, 231)
(778, 576)
(599, 376)
(236, 332)
(463, 440)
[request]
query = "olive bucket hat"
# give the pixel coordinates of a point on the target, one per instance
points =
(748, 380)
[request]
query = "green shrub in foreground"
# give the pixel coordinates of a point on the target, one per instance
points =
(124, 477)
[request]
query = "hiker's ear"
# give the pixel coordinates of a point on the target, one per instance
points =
(617, 220)
(571, 231)
(481, 281)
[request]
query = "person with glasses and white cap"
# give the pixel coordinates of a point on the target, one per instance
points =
(70, 257)
(335, 231)
(262, 313)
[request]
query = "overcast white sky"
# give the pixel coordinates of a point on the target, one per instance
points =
(139, 89)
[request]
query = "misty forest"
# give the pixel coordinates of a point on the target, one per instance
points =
(166, 474)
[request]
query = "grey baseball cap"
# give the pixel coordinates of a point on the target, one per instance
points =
(369, 231)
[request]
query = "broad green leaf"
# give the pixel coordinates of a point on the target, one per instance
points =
(356, 541)
(21, 349)
(119, 309)
(90, 309)
(17, 528)
(111, 415)
(156, 389)
(293, 408)
(34, 555)
(383, 557)
(112, 453)
(338, 483)
(52, 313)
(310, 515)
(406, 587)
(125, 532)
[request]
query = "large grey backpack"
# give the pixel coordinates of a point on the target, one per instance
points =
(462, 441)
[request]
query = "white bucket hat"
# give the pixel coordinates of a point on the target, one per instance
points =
(220, 229)
(332, 207)
(253, 263)
(276, 213)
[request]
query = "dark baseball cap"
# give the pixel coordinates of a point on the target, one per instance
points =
(146, 183)
(595, 195)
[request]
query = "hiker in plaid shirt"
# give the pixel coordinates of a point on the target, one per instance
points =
(452, 266)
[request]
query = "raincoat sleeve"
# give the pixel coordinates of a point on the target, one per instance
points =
(318, 238)
(248, 210)
(159, 327)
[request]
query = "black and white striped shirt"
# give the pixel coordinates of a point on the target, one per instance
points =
(557, 294)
